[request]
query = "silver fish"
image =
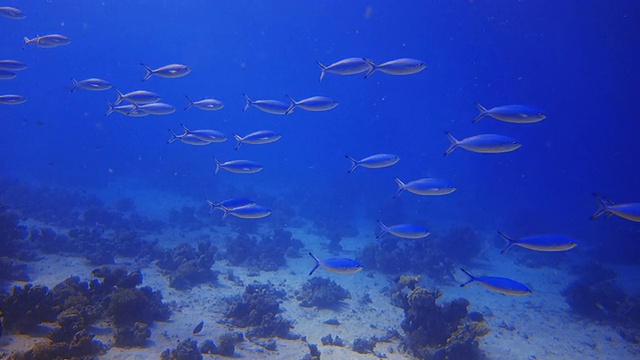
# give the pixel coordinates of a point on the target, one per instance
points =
(205, 104)
(248, 212)
(373, 162)
(407, 231)
(12, 65)
(128, 110)
(315, 103)
(542, 242)
(168, 71)
(12, 99)
(206, 135)
(520, 114)
(629, 211)
(485, 143)
(348, 66)
(187, 139)
(425, 186)
(269, 106)
(92, 84)
(230, 204)
(47, 41)
(498, 284)
(238, 166)
(12, 13)
(7, 75)
(257, 138)
(337, 265)
(155, 108)
(137, 97)
(402, 66)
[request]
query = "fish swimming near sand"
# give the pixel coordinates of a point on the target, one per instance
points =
(498, 284)
(542, 242)
(337, 265)
(198, 328)
(519, 114)
(629, 211)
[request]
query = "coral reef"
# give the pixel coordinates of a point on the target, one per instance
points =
(27, 306)
(363, 346)
(130, 336)
(186, 350)
(330, 340)
(226, 344)
(188, 267)
(12, 270)
(82, 346)
(268, 254)
(11, 235)
(323, 293)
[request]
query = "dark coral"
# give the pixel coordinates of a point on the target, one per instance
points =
(125, 306)
(330, 340)
(187, 266)
(363, 346)
(82, 346)
(186, 350)
(11, 233)
(314, 353)
(267, 254)
(130, 336)
(227, 343)
(27, 306)
(13, 270)
(323, 293)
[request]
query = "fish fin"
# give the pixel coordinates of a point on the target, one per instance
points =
(149, 72)
(354, 164)
(218, 163)
(174, 137)
(510, 242)
(373, 68)
(75, 84)
(249, 102)
(239, 140)
(317, 263)
(135, 108)
(226, 212)
(603, 204)
(483, 113)
(186, 129)
(293, 105)
(400, 187)
(111, 108)
(120, 97)
(454, 144)
(324, 69)
(27, 41)
(384, 229)
(190, 104)
(472, 278)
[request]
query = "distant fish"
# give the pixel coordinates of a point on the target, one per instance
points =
(213, 136)
(12, 65)
(168, 71)
(230, 204)
(12, 99)
(407, 231)
(629, 211)
(520, 114)
(543, 242)
(205, 104)
(187, 139)
(47, 41)
(198, 328)
(373, 162)
(247, 212)
(156, 108)
(12, 13)
(257, 138)
(128, 110)
(485, 143)
(498, 284)
(238, 166)
(137, 97)
(7, 75)
(269, 106)
(315, 103)
(92, 84)
(425, 186)
(397, 67)
(337, 265)
(348, 66)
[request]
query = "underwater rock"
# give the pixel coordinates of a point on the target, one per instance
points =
(322, 293)
(12, 235)
(82, 346)
(130, 336)
(27, 306)
(267, 254)
(118, 276)
(209, 347)
(329, 340)
(12, 270)
(363, 346)
(269, 344)
(127, 306)
(227, 343)
(70, 321)
(186, 350)
(188, 267)
(314, 353)
(332, 321)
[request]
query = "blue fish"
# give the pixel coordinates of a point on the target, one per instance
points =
(348, 66)
(425, 186)
(498, 284)
(238, 166)
(407, 231)
(230, 204)
(269, 106)
(520, 114)
(629, 211)
(247, 212)
(484, 143)
(337, 265)
(373, 162)
(542, 242)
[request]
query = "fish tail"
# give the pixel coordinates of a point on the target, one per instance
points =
(149, 72)
(510, 242)
(135, 108)
(212, 206)
(354, 164)
(111, 109)
(249, 102)
(120, 97)
(603, 206)
(400, 187)
(174, 137)
(324, 69)
(454, 144)
(75, 84)
(373, 67)
(384, 229)
(293, 105)
(317, 263)
(226, 212)
(483, 113)
(27, 41)
(190, 104)
(239, 140)
(218, 163)
(472, 278)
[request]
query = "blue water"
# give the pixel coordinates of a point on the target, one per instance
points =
(578, 61)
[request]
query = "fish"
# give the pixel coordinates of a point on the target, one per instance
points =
(11, 99)
(238, 166)
(155, 108)
(206, 135)
(348, 66)
(519, 114)
(373, 162)
(498, 284)
(542, 242)
(485, 143)
(12, 13)
(187, 139)
(205, 104)
(247, 212)
(128, 110)
(257, 138)
(230, 204)
(7, 75)
(92, 84)
(168, 71)
(47, 41)
(315, 103)
(406, 231)
(269, 106)
(402, 66)
(425, 186)
(138, 97)
(629, 211)
(198, 328)
(12, 65)
(337, 265)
